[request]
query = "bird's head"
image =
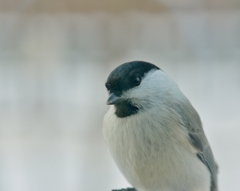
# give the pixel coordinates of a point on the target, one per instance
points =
(135, 86)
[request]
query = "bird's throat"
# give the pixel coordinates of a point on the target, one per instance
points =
(125, 109)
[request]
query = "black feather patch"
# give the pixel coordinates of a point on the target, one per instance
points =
(125, 108)
(123, 77)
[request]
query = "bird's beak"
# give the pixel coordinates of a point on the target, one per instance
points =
(113, 99)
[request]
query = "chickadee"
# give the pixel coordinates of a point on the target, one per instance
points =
(154, 134)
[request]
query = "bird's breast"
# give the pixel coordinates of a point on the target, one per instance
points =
(149, 152)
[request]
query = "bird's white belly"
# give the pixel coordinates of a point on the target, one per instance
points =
(167, 172)
(153, 159)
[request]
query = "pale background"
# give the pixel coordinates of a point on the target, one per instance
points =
(55, 57)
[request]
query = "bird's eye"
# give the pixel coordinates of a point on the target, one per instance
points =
(136, 81)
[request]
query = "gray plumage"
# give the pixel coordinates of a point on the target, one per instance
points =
(196, 137)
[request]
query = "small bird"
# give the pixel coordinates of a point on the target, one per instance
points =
(154, 134)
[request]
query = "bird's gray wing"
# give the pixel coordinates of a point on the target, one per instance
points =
(206, 156)
(190, 120)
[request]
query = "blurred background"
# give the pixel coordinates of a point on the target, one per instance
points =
(55, 57)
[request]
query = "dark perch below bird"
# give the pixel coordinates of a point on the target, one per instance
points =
(126, 189)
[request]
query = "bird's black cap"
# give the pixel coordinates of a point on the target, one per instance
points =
(126, 76)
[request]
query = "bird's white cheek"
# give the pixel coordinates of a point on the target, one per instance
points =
(156, 86)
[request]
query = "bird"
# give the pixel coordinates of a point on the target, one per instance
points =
(154, 134)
